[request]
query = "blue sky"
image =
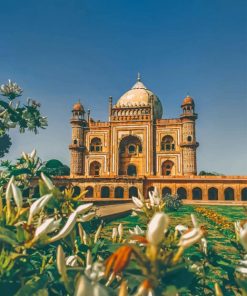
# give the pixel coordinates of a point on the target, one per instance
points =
(61, 51)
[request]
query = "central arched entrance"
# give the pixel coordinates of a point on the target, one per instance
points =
(130, 156)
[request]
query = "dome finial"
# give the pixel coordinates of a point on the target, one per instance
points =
(138, 76)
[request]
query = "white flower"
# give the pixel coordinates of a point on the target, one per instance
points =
(83, 208)
(72, 261)
(11, 89)
(66, 229)
(46, 227)
(85, 288)
(38, 205)
(156, 228)
(120, 231)
(137, 202)
(243, 236)
(61, 265)
(9, 191)
(136, 230)
(190, 238)
(47, 181)
(17, 195)
(94, 271)
(181, 228)
(114, 234)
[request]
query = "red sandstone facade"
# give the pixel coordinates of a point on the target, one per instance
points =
(137, 149)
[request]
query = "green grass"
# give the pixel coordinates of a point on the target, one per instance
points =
(217, 241)
(215, 238)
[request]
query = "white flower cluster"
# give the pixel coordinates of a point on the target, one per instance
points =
(11, 89)
(154, 203)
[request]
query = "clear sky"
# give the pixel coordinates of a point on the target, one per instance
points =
(60, 51)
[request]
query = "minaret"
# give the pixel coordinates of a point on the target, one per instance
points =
(189, 144)
(78, 124)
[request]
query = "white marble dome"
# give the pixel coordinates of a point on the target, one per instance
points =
(140, 95)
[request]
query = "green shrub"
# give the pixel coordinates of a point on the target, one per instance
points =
(173, 202)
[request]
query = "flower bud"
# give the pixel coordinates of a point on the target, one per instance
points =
(47, 181)
(33, 154)
(88, 217)
(61, 266)
(66, 229)
(243, 236)
(9, 191)
(89, 260)
(46, 227)
(17, 196)
(97, 234)
(83, 208)
(114, 234)
(120, 231)
(38, 205)
(156, 228)
(137, 202)
(24, 155)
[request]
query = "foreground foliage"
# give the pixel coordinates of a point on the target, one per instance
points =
(14, 115)
(56, 245)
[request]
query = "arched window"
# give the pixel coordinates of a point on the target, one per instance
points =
(105, 192)
(166, 190)
(96, 145)
(212, 193)
(119, 192)
(166, 168)
(182, 193)
(133, 191)
(75, 142)
(189, 138)
(95, 168)
(167, 144)
(244, 194)
(197, 193)
(132, 149)
(229, 193)
(131, 171)
(89, 191)
(76, 191)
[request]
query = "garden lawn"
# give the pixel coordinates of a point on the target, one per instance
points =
(215, 238)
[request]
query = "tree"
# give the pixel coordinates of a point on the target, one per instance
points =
(54, 167)
(204, 173)
(13, 115)
(5, 143)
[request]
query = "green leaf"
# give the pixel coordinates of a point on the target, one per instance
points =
(33, 286)
(19, 172)
(7, 236)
